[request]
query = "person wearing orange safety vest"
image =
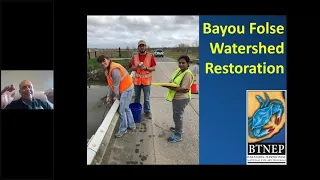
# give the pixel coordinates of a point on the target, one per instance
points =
(143, 63)
(121, 84)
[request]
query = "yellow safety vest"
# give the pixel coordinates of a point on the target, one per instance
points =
(177, 80)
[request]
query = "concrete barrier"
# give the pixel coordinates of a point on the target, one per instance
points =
(97, 144)
(97, 141)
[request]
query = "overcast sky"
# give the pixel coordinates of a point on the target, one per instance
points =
(157, 31)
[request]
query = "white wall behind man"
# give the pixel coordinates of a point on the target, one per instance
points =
(41, 80)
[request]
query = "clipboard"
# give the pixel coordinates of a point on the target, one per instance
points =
(165, 84)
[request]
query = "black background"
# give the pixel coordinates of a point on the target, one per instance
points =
(59, 35)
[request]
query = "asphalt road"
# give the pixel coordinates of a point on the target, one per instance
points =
(164, 59)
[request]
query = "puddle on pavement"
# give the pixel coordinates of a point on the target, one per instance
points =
(162, 134)
(143, 158)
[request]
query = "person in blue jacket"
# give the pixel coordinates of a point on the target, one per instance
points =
(27, 100)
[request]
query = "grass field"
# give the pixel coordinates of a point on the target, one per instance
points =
(92, 64)
(174, 53)
(112, 53)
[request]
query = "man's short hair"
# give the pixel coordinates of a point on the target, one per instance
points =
(22, 82)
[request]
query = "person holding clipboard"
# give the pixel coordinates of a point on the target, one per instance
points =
(180, 96)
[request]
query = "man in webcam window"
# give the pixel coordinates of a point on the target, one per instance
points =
(27, 100)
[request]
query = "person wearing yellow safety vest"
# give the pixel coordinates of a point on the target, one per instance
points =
(180, 96)
(120, 83)
(143, 63)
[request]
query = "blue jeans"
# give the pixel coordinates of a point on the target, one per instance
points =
(146, 92)
(126, 117)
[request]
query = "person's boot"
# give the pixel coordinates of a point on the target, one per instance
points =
(148, 115)
(120, 134)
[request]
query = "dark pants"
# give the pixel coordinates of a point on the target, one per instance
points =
(178, 107)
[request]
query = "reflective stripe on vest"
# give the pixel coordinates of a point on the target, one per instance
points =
(125, 74)
(177, 80)
(125, 78)
(142, 76)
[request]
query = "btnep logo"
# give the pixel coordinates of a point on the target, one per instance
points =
(266, 127)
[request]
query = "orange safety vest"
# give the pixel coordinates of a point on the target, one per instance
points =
(125, 78)
(142, 76)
